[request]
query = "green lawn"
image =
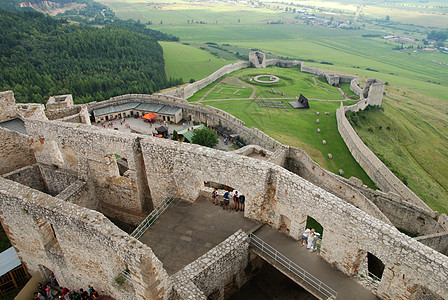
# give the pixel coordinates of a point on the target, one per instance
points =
(292, 83)
(229, 91)
(297, 128)
(187, 62)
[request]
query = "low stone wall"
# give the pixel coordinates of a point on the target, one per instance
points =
(300, 163)
(312, 70)
(56, 180)
(212, 272)
(29, 176)
(283, 63)
(437, 241)
(402, 214)
(103, 251)
(63, 112)
(15, 151)
(373, 166)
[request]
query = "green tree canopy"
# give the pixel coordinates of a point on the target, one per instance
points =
(205, 137)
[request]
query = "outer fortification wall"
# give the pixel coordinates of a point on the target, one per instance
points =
(190, 89)
(80, 246)
(373, 166)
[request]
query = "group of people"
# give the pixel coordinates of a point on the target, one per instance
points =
(309, 238)
(48, 292)
(238, 200)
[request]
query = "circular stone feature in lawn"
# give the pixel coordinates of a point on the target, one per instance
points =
(272, 79)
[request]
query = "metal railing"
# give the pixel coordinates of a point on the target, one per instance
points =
(279, 258)
(152, 217)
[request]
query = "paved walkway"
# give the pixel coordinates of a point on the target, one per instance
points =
(186, 231)
(346, 287)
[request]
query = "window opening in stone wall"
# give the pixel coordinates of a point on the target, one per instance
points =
(375, 266)
(122, 164)
(312, 223)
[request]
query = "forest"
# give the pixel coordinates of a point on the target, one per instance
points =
(42, 56)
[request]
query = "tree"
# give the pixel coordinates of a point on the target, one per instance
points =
(387, 18)
(205, 137)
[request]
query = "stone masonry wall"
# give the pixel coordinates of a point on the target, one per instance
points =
(278, 193)
(29, 176)
(56, 180)
(373, 166)
(63, 112)
(220, 266)
(8, 109)
(300, 163)
(92, 153)
(80, 246)
(15, 151)
(401, 213)
(437, 241)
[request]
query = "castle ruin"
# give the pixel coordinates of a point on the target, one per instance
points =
(63, 180)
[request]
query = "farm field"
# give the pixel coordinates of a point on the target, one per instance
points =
(200, 63)
(346, 50)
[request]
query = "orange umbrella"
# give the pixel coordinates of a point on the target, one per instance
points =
(149, 116)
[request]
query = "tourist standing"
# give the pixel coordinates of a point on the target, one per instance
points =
(235, 200)
(304, 240)
(226, 200)
(241, 204)
(215, 196)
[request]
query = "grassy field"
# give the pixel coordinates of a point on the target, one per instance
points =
(199, 64)
(292, 83)
(229, 91)
(297, 128)
(415, 146)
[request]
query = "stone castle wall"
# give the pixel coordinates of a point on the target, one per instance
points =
(123, 196)
(276, 194)
(437, 241)
(80, 246)
(213, 271)
(300, 163)
(8, 108)
(15, 151)
(373, 166)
